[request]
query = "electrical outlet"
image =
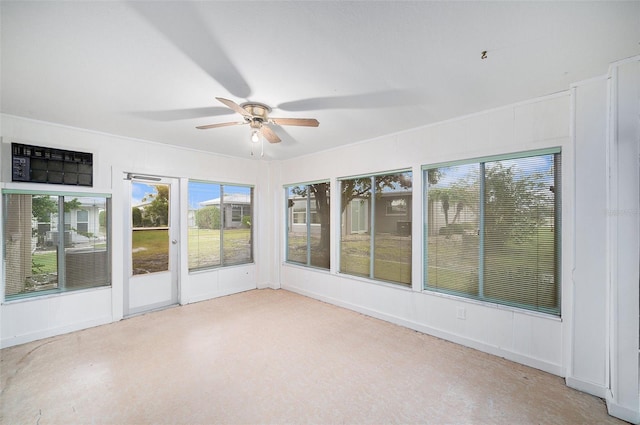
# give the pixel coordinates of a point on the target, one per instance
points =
(461, 313)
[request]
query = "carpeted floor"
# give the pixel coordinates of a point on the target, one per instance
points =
(274, 357)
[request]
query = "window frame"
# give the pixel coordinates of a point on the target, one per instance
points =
(221, 186)
(310, 211)
(557, 227)
(62, 288)
(370, 204)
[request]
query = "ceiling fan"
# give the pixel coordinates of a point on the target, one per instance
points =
(257, 116)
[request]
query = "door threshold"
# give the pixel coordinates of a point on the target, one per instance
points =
(151, 310)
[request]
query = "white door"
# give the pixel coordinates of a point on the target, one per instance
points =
(152, 257)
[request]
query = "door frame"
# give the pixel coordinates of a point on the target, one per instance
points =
(174, 242)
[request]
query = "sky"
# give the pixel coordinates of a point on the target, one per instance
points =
(198, 192)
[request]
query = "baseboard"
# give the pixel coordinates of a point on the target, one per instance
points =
(217, 294)
(535, 363)
(48, 333)
(623, 413)
(586, 387)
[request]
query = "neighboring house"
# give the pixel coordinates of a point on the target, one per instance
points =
(235, 206)
(392, 214)
(80, 225)
(298, 215)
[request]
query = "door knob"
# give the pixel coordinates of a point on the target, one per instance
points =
(174, 241)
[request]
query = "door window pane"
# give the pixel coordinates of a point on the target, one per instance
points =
(150, 218)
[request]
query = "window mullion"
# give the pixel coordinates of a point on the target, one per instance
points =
(308, 222)
(222, 218)
(481, 232)
(61, 238)
(372, 229)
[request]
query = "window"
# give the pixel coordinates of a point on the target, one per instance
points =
(396, 206)
(308, 224)
(39, 259)
(82, 221)
(376, 227)
(492, 230)
(220, 229)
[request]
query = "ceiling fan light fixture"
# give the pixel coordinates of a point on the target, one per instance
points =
(255, 135)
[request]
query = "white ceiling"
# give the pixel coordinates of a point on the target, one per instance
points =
(152, 70)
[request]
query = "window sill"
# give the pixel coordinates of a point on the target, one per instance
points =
(53, 295)
(493, 305)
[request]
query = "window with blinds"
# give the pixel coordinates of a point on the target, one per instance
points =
(55, 242)
(308, 224)
(375, 226)
(220, 230)
(492, 230)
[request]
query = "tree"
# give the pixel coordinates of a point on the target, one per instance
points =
(71, 205)
(157, 212)
(42, 207)
(350, 189)
(136, 217)
(320, 193)
(208, 217)
(514, 205)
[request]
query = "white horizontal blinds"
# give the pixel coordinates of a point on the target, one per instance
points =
(236, 229)
(297, 235)
(308, 224)
(492, 230)
(453, 220)
(203, 225)
(86, 255)
(23, 270)
(391, 209)
(55, 243)
(355, 240)
(319, 220)
(519, 256)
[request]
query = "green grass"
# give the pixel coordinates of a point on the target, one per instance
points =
(392, 257)
(454, 262)
(44, 262)
(204, 247)
(150, 251)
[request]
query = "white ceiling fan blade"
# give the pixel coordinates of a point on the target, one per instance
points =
(304, 122)
(233, 105)
(222, 124)
(269, 134)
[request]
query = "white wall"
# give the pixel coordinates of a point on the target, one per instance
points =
(624, 240)
(587, 362)
(30, 319)
(533, 339)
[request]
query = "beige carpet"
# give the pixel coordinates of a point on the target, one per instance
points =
(274, 357)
